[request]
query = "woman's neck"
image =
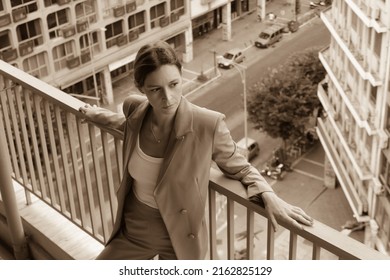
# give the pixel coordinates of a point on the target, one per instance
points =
(162, 120)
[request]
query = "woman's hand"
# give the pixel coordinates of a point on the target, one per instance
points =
(90, 112)
(103, 116)
(279, 209)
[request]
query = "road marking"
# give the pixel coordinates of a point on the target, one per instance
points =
(313, 162)
(308, 174)
(190, 71)
(188, 81)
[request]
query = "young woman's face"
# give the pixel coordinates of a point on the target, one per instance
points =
(163, 88)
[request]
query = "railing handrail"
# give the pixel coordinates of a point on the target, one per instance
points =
(55, 95)
(65, 101)
(320, 234)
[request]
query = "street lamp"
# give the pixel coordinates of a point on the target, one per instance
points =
(90, 43)
(242, 69)
(215, 62)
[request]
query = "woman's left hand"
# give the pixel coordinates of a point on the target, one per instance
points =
(277, 208)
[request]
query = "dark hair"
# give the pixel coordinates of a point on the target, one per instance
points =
(152, 56)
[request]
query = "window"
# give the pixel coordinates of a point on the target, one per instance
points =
(1, 6)
(90, 84)
(378, 43)
(354, 21)
(36, 65)
(373, 94)
(368, 148)
(108, 5)
(156, 13)
(383, 167)
(5, 42)
(89, 43)
(113, 31)
(387, 124)
(62, 53)
(55, 21)
(384, 175)
(76, 88)
(177, 6)
(30, 32)
(30, 5)
(137, 22)
(87, 11)
(48, 3)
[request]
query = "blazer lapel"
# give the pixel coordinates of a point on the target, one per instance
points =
(134, 123)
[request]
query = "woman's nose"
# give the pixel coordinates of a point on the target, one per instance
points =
(166, 93)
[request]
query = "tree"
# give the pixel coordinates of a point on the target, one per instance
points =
(283, 101)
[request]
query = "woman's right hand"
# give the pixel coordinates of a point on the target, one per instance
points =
(90, 112)
(102, 116)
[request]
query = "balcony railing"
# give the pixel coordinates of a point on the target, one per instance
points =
(74, 167)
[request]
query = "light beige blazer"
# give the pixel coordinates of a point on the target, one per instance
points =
(200, 136)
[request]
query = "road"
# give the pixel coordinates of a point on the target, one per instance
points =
(226, 94)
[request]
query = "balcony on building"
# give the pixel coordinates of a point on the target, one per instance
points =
(65, 172)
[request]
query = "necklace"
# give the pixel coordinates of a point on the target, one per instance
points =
(154, 135)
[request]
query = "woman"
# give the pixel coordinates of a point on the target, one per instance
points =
(169, 145)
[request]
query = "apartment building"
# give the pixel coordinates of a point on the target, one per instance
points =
(356, 98)
(84, 46)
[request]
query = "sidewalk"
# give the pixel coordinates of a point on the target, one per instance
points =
(244, 32)
(304, 188)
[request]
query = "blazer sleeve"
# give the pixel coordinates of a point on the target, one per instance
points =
(116, 121)
(109, 119)
(233, 164)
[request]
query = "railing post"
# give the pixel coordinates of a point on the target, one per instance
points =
(19, 242)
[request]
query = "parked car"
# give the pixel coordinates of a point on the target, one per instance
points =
(270, 36)
(230, 57)
(250, 150)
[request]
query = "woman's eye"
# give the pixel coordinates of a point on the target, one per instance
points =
(154, 89)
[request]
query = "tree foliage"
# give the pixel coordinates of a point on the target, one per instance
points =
(283, 101)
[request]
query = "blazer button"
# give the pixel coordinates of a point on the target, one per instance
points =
(191, 236)
(183, 211)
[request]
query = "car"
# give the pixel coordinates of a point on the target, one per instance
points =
(248, 147)
(230, 57)
(270, 36)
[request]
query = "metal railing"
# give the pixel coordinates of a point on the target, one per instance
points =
(71, 165)
(74, 167)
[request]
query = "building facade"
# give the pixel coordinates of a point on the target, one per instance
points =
(84, 46)
(356, 98)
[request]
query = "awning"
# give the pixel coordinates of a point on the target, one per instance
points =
(119, 63)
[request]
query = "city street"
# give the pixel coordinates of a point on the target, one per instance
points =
(225, 95)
